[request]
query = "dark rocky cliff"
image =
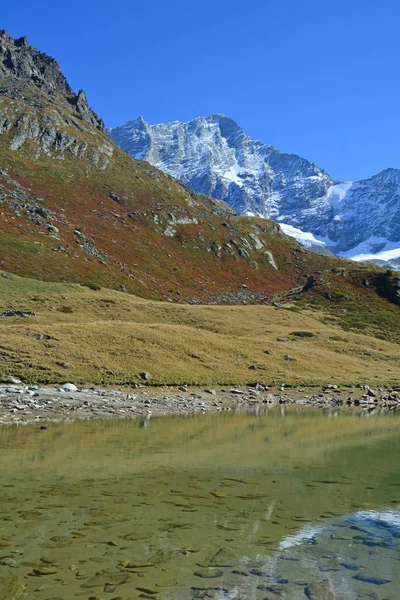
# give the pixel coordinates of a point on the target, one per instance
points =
(21, 63)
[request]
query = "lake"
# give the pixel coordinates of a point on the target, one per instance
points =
(284, 504)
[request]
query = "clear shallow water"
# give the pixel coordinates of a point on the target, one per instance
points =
(292, 505)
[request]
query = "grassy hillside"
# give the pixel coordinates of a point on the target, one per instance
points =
(108, 337)
(75, 209)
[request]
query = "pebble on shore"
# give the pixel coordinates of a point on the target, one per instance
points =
(20, 403)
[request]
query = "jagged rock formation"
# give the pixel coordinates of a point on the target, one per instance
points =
(213, 155)
(41, 113)
(20, 63)
(388, 286)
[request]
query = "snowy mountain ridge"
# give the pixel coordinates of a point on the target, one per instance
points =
(214, 156)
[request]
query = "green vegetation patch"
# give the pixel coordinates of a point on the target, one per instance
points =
(303, 334)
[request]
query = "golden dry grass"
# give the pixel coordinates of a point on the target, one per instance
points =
(108, 337)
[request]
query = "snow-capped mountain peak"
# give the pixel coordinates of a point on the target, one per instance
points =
(214, 156)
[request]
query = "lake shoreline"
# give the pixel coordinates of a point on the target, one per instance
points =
(26, 404)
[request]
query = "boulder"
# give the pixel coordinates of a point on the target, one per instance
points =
(69, 387)
(146, 376)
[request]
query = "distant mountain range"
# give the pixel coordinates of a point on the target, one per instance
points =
(214, 156)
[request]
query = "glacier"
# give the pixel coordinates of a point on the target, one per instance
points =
(213, 155)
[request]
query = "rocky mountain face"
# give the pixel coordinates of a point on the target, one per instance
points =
(213, 155)
(39, 110)
(21, 65)
(75, 207)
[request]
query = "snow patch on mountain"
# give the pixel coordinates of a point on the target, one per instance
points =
(385, 256)
(306, 238)
(337, 193)
(377, 250)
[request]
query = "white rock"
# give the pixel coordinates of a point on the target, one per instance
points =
(69, 387)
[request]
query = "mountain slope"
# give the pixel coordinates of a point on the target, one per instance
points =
(107, 337)
(75, 207)
(215, 156)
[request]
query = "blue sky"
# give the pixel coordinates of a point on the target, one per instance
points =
(312, 77)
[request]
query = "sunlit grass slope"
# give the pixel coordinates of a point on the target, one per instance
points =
(106, 337)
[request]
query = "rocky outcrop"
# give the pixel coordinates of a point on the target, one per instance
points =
(39, 112)
(20, 64)
(82, 108)
(388, 286)
(47, 130)
(19, 59)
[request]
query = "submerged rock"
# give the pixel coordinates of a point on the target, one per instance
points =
(223, 558)
(39, 571)
(319, 590)
(371, 579)
(209, 573)
(108, 578)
